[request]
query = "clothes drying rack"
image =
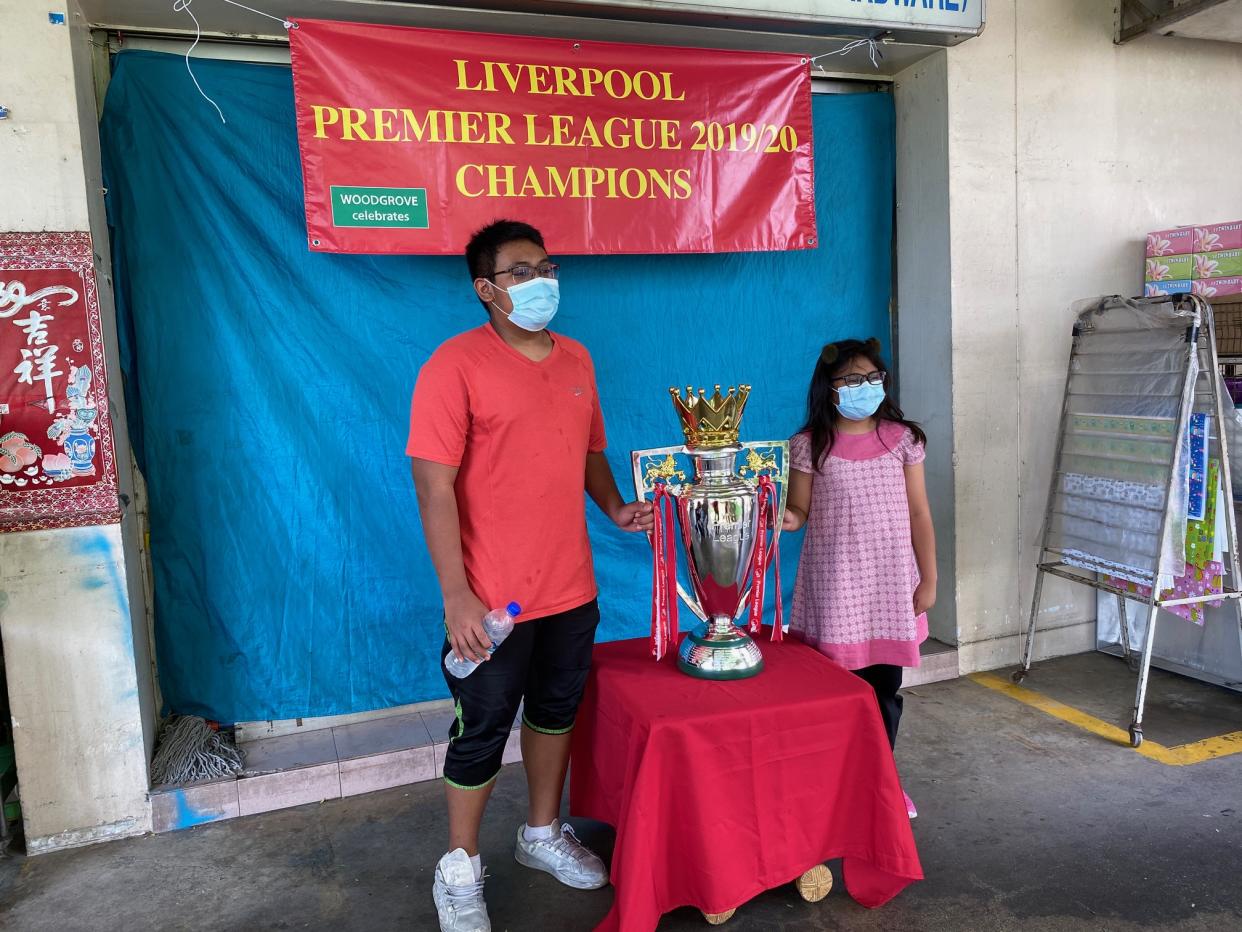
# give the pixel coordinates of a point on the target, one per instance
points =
(1139, 370)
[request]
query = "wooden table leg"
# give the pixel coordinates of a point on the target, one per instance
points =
(812, 886)
(815, 884)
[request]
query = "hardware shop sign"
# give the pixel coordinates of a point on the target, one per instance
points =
(963, 17)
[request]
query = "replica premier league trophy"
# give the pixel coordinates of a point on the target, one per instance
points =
(730, 521)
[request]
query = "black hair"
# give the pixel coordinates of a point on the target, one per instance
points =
(821, 411)
(486, 243)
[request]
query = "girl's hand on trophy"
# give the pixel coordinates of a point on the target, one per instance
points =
(463, 619)
(634, 516)
(793, 520)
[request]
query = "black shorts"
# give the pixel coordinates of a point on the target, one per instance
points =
(543, 664)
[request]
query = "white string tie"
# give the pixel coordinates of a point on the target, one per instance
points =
(183, 6)
(873, 50)
(288, 24)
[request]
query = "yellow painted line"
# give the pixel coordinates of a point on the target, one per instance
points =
(1180, 756)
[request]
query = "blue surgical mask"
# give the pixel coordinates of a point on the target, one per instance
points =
(534, 303)
(860, 403)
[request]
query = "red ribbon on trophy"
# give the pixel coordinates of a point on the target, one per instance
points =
(664, 615)
(767, 505)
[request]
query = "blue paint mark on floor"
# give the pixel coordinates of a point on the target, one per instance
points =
(188, 816)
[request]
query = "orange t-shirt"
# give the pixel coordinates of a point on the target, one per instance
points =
(520, 432)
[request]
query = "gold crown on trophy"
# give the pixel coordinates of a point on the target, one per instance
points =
(710, 423)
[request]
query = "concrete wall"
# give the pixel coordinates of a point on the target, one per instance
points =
(72, 619)
(40, 147)
(1063, 153)
(73, 688)
(924, 296)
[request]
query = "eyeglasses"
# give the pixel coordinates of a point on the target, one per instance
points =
(525, 273)
(854, 380)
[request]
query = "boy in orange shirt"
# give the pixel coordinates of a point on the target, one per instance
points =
(506, 434)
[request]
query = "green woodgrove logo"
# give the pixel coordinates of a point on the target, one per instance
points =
(379, 207)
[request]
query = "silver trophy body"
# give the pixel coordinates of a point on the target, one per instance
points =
(718, 517)
(719, 522)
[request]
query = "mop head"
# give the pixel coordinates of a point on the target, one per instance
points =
(190, 750)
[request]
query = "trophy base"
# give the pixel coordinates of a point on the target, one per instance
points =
(709, 653)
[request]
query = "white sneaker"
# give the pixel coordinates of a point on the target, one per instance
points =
(458, 896)
(564, 857)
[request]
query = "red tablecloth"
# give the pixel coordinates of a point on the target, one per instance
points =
(721, 790)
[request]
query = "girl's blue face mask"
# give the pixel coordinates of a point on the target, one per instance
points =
(534, 303)
(860, 402)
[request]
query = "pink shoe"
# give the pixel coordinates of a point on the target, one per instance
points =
(910, 810)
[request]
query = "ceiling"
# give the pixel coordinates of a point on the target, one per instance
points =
(1215, 20)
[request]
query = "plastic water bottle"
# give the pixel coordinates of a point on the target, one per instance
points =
(497, 623)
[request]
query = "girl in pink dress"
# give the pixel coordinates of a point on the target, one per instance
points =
(868, 570)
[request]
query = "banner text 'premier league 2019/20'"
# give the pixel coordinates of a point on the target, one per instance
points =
(496, 127)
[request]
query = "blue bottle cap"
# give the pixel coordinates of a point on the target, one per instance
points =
(513, 609)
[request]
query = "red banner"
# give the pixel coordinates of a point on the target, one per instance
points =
(57, 464)
(412, 139)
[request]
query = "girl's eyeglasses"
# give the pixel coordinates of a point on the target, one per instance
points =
(854, 380)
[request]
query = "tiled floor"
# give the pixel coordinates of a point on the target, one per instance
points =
(287, 788)
(939, 663)
(362, 757)
(292, 751)
(383, 735)
(292, 770)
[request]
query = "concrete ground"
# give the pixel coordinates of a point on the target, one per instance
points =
(1026, 823)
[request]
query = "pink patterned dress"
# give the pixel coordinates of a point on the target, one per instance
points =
(854, 596)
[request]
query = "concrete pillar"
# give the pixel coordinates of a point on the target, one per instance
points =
(924, 303)
(961, 326)
(76, 643)
(984, 286)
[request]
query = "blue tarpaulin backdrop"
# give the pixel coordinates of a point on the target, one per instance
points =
(269, 387)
